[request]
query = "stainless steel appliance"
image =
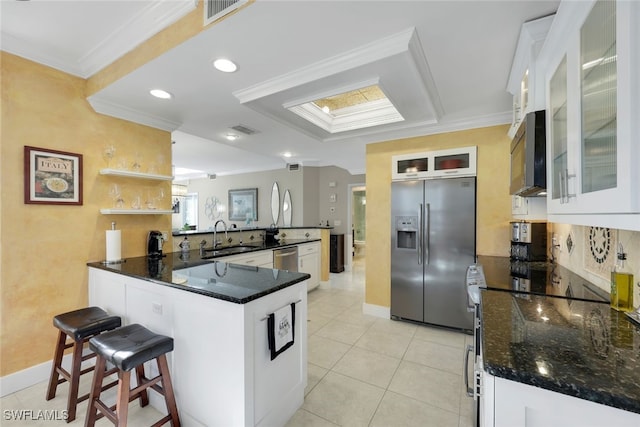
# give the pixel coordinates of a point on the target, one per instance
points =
(286, 258)
(433, 240)
(529, 241)
(528, 156)
(154, 244)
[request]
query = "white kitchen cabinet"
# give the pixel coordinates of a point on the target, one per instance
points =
(592, 56)
(526, 80)
(434, 164)
(221, 368)
(309, 262)
(513, 404)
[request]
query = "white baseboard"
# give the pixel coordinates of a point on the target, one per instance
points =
(27, 377)
(376, 310)
(35, 374)
(325, 285)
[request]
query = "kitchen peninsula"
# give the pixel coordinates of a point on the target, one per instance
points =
(216, 312)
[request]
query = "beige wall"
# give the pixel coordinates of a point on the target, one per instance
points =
(342, 178)
(493, 200)
(45, 247)
(263, 181)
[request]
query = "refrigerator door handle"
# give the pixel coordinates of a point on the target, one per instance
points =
(426, 233)
(420, 240)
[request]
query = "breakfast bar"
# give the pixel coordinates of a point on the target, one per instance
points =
(223, 371)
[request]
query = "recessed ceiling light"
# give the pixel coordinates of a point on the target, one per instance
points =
(232, 137)
(287, 154)
(159, 93)
(225, 65)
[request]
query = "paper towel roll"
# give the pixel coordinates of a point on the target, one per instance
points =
(113, 245)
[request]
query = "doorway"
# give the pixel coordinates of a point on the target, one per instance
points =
(358, 222)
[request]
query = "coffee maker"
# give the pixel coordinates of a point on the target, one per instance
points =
(154, 244)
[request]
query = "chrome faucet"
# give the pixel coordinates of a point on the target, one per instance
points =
(215, 233)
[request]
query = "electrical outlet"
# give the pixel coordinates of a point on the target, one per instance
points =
(165, 236)
(337, 222)
(156, 307)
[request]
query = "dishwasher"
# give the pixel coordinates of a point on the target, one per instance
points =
(286, 258)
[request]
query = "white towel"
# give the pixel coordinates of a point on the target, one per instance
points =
(281, 326)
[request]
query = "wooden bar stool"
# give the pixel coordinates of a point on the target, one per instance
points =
(128, 348)
(79, 325)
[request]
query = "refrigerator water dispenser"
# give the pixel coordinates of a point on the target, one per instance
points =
(407, 232)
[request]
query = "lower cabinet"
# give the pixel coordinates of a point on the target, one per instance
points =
(512, 404)
(221, 368)
(309, 262)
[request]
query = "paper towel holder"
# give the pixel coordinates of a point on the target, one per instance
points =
(114, 261)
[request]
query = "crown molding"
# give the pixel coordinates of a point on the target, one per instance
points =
(131, 115)
(429, 128)
(532, 36)
(38, 54)
(148, 22)
(142, 26)
(371, 52)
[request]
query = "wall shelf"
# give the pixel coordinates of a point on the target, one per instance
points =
(132, 174)
(135, 211)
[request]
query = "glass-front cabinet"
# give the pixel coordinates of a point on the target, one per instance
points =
(593, 94)
(558, 130)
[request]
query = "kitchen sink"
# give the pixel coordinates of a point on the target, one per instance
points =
(229, 250)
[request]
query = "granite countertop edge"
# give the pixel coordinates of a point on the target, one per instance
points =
(592, 394)
(193, 259)
(105, 267)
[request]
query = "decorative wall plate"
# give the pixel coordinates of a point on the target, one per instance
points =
(599, 253)
(212, 208)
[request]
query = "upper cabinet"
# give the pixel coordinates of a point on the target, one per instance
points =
(526, 80)
(434, 164)
(592, 62)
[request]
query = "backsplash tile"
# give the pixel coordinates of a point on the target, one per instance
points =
(576, 253)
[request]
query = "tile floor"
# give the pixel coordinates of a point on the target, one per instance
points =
(368, 371)
(363, 371)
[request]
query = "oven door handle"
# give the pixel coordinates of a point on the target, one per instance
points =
(466, 370)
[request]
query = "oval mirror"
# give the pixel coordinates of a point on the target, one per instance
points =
(286, 209)
(275, 203)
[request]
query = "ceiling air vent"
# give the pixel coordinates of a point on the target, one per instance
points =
(293, 166)
(214, 9)
(244, 129)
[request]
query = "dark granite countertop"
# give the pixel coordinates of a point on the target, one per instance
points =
(237, 229)
(545, 278)
(189, 272)
(579, 348)
(248, 248)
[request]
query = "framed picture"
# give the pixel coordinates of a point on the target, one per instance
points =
(243, 205)
(52, 177)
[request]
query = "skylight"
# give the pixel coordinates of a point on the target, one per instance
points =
(355, 109)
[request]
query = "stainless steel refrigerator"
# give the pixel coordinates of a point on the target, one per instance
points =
(433, 241)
